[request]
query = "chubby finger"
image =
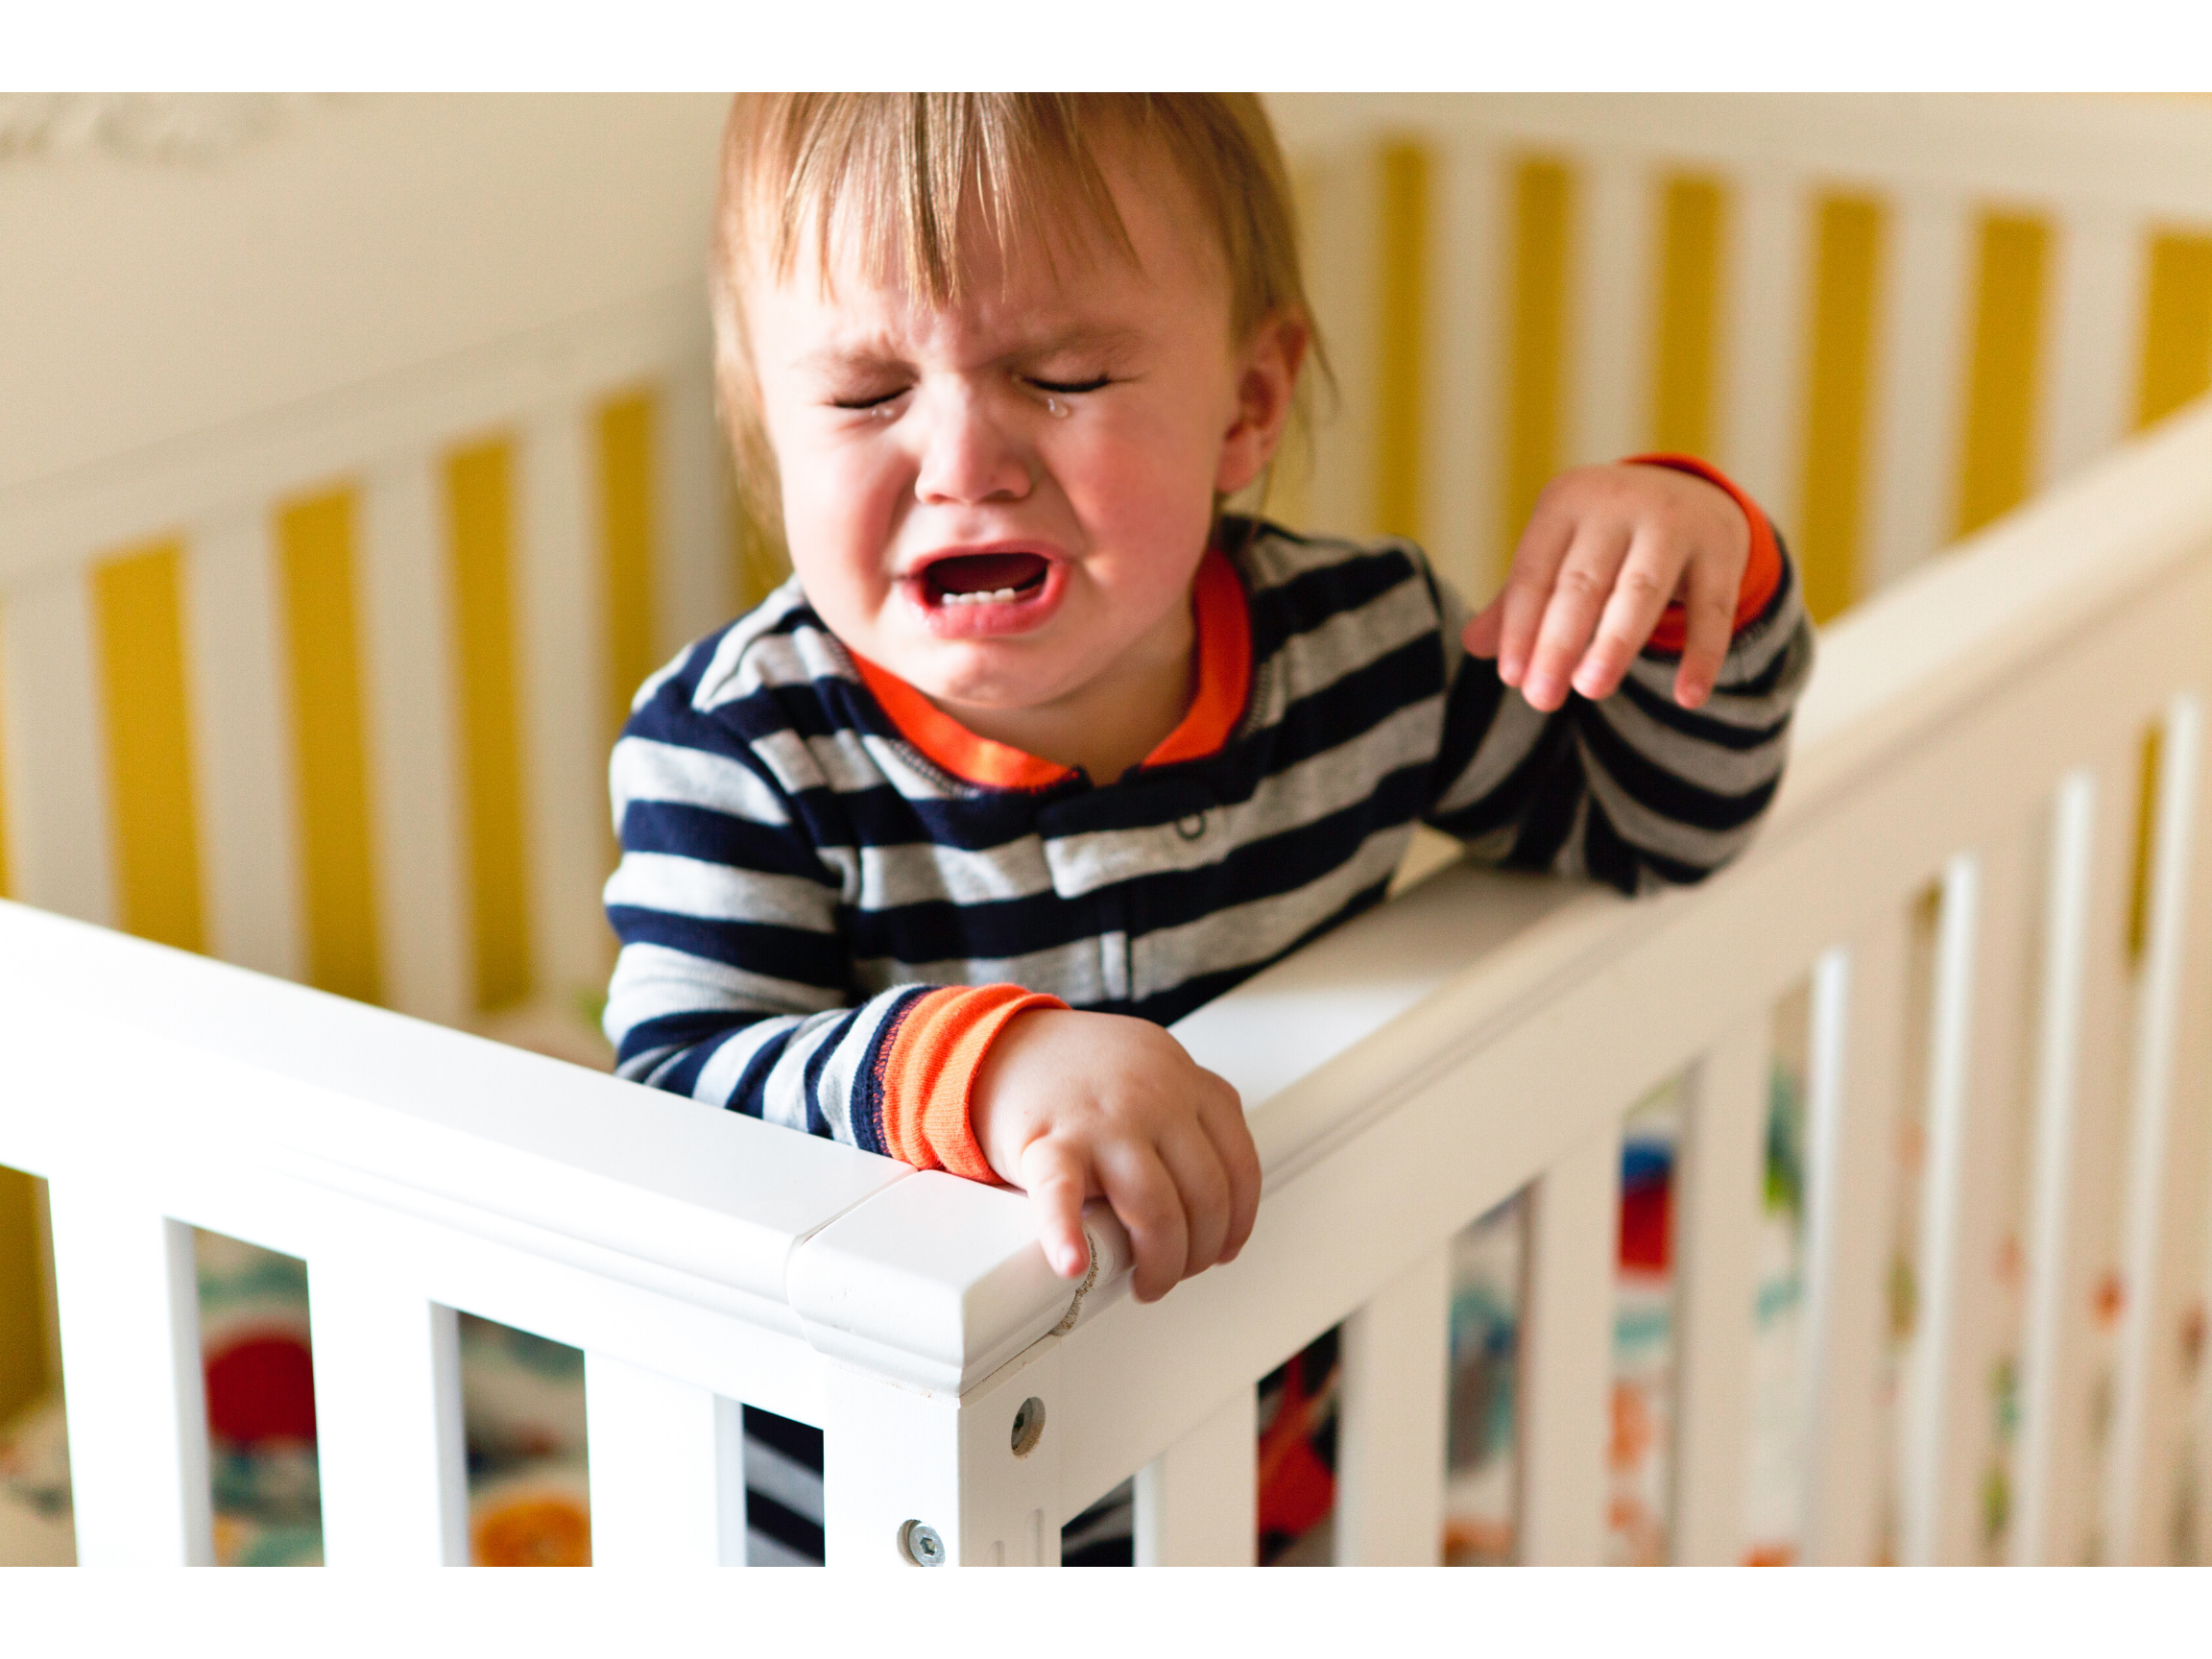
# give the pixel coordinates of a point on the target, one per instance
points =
(1221, 1115)
(1646, 581)
(1519, 607)
(1711, 624)
(1480, 635)
(1195, 1167)
(1143, 1195)
(1579, 595)
(1055, 1176)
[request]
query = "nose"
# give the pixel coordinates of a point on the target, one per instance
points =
(967, 457)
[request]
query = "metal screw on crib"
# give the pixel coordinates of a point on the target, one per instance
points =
(921, 1545)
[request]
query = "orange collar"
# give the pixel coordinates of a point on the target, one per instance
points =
(1224, 628)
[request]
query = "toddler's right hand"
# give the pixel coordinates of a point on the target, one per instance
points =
(1072, 1106)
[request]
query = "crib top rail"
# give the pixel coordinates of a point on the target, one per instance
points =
(1434, 1021)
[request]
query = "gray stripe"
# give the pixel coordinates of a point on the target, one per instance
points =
(677, 886)
(644, 769)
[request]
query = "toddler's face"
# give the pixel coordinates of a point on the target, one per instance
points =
(1004, 501)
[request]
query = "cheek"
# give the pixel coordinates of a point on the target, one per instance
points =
(1146, 477)
(838, 509)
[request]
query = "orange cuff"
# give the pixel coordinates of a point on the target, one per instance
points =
(1762, 573)
(931, 1065)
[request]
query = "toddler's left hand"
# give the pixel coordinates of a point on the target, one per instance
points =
(1606, 550)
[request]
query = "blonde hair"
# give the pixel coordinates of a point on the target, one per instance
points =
(908, 173)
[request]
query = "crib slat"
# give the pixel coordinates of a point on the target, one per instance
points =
(1718, 1233)
(1613, 265)
(413, 763)
(1858, 1058)
(565, 701)
(2095, 324)
(1762, 363)
(1461, 435)
(2077, 1096)
(388, 1420)
(1390, 1436)
(241, 714)
(1567, 1353)
(2143, 1446)
(131, 1375)
(1197, 1502)
(1975, 1080)
(59, 823)
(1920, 375)
(698, 574)
(668, 1462)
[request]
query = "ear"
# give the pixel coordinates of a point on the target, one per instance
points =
(1266, 376)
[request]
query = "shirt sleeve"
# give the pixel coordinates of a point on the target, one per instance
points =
(1633, 789)
(733, 983)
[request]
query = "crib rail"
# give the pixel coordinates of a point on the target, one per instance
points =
(1976, 728)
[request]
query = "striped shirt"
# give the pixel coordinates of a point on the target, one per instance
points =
(831, 897)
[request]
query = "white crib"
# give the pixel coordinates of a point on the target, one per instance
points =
(524, 522)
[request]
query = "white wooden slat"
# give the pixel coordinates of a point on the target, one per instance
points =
(2093, 319)
(130, 1376)
(1763, 362)
(696, 586)
(668, 1463)
(893, 1456)
(414, 764)
(1920, 361)
(1391, 1421)
(1197, 1503)
(241, 719)
(2077, 1101)
(2140, 1455)
(1464, 383)
(1857, 1075)
(58, 823)
(388, 1419)
(1567, 1353)
(1341, 233)
(1976, 1075)
(1610, 325)
(1719, 1186)
(561, 608)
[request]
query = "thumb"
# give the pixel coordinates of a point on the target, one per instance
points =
(1055, 1179)
(1484, 630)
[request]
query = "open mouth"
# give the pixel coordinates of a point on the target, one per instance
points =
(985, 578)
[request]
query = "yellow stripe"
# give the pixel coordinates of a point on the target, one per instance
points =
(1537, 345)
(1838, 400)
(2177, 361)
(1685, 351)
(479, 497)
(22, 1326)
(141, 641)
(1997, 456)
(627, 534)
(1401, 291)
(315, 550)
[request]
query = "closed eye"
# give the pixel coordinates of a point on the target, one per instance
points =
(1067, 388)
(875, 402)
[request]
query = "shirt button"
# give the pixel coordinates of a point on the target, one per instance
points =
(1190, 826)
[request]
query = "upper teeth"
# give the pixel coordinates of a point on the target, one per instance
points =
(989, 596)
